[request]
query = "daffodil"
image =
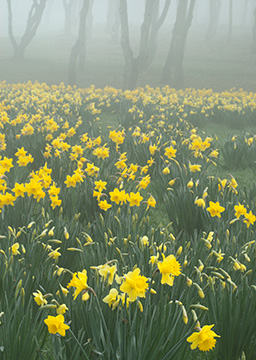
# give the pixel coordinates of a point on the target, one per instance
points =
(79, 281)
(249, 219)
(170, 152)
(151, 202)
(200, 202)
(100, 185)
(215, 209)
(61, 309)
(39, 298)
(145, 181)
(107, 272)
(135, 199)
(104, 205)
(169, 268)
(15, 249)
(194, 168)
(56, 325)
(54, 254)
(204, 339)
(134, 284)
(240, 210)
(112, 298)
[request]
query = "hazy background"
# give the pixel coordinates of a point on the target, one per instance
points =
(219, 63)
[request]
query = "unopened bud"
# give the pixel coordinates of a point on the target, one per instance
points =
(184, 315)
(189, 281)
(66, 234)
(179, 251)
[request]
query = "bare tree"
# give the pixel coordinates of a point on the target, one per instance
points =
(173, 72)
(78, 50)
(214, 12)
(148, 36)
(33, 21)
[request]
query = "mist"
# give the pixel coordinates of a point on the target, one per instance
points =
(214, 55)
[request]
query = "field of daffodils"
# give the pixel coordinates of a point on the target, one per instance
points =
(117, 241)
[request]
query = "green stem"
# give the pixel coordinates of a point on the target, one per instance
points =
(57, 347)
(78, 343)
(103, 321)
(175, 347)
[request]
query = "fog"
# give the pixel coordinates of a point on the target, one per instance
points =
(229, 46)
(54, 13)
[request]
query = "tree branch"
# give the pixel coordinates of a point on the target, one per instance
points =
(162, 17)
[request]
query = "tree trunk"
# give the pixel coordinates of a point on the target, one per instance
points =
(89, 21)
(134, 66)
(113, 20)
(156, 25)
(110, 15)
(214, 14)
(79, 47)
(125, 45)
(48, 11)
(254, 33)
(33, 21)
(131, 73)
(230, 23)
(173, 73)
(115, 29)
(68, 16)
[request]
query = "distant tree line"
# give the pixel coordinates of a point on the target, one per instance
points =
(117, 24)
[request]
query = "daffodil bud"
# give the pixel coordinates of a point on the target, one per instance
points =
(140, 306)
(3, 253)
(223, 284)
(77, 216)
(18, 289)
(242, 267)
(201, 267)
(102, 221)
(118, 221)
(233, 221)
(236, 265)
(184, 315)
(22, 292)
(247, 257)
(189, 281)
(51, 231)
(200, 291)
(66, 234)
(172, 237)
(30, 224)
(190, 184)
(152, 291)
(195, 319)
(199, 306)
(179, 251)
